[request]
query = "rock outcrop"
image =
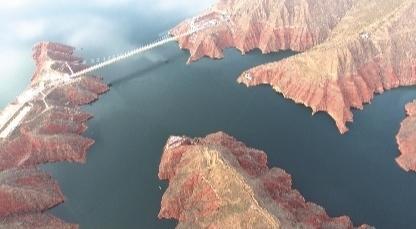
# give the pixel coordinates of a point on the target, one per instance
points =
(270, 25)
(49, 131)
(218, 182)
(406, 139)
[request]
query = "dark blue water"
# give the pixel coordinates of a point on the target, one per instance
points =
(157, 95)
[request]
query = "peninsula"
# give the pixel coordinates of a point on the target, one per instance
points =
(44, 124)
(218, 182)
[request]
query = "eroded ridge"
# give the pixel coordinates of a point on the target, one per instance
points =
(371, 50)
(270, 25)
(44, 124)
(218, 182)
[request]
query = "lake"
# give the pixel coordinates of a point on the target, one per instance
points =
(156, 95)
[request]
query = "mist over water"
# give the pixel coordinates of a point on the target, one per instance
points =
(156, 95)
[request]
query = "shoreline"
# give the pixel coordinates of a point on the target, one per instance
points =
(44, 125)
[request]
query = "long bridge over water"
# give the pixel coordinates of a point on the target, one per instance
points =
(161, 41)
(14, 114)
(194, 27)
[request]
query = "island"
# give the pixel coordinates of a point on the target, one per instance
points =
(219, 182)
(350, 50)
(44, 124)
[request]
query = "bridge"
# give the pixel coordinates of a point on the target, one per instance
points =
(14, 114)
(161, 41)
(194, 27)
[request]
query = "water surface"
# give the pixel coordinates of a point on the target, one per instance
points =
(156, 95)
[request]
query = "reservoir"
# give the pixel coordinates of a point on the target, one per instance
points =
(157, 94)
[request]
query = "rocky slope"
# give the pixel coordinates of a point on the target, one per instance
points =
(218, 182)
(49, 132)
(359, 47)
(350, 53)
(269, 25)
(368, 52)
(406, 138)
